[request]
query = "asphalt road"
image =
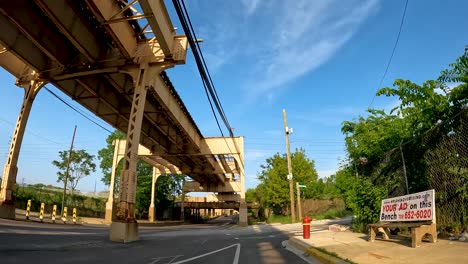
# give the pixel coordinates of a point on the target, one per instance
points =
(217, 242)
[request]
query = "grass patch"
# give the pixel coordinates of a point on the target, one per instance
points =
(282, 219)
(334, 255)
(332, 214)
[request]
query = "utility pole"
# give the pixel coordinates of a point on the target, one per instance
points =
(68, 169)
(288, 131)
(299, 209)
(404, 167)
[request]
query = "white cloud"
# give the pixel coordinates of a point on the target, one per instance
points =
(269, 44)
(325, 173)
(250, 5)
(304, 35)
(255, 155)
(333, 116)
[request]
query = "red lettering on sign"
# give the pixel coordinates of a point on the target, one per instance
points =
(403, 206)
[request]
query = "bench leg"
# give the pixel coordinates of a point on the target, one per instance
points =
(433, 233)
(371, 234)
(416, 237)
(373, 231)
(417, 233)
(386, 233)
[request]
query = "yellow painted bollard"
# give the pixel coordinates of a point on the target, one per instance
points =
(54, 213)
(41, 213)
(64, 215)
(28, 208)
(74, 215)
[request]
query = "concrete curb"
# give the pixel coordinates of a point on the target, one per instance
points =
(324, 257)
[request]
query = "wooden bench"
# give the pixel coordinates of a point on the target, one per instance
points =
(395, 213)
(418, 231)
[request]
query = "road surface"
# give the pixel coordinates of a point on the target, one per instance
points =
(220, 241)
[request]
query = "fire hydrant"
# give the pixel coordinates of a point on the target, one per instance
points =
(306, 227)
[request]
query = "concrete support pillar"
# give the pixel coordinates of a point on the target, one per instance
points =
(243, 205)
(152, 210)
(182, 208)
(7, 207)
(125, 228)
(110, 205)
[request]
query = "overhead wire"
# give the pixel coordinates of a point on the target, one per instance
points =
(393, 52)
(220, 106)
(76, 110)
(201, 64)
(207, 81)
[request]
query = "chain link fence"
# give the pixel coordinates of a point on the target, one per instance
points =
(438, 159)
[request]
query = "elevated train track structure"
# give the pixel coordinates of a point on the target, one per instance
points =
(110, 56)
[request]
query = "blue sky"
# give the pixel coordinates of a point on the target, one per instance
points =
(320, 60)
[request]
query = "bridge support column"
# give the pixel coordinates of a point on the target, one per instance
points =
(182, 206)
(152, 209)
(110, 205)
(125, 228)
(7, 206)
(243, 204)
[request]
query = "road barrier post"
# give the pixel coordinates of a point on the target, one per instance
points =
(54, 213)
(74, 215)
(28, 208)
(41, 213)
(64, 215)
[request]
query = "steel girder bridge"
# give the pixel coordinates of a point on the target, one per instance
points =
(110, 56)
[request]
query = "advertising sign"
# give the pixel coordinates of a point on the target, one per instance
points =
(413, 207)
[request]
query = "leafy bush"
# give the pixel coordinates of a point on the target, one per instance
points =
(86, 206)
(364, 199)
(331, 214)
(282, 219)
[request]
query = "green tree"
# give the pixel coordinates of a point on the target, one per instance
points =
(251, 195)
(167, 188)
(274, 187)
(106, 156)
(374, 142)
(81, 165)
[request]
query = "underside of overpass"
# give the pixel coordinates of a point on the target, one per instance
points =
(229, 192)
(110, 56)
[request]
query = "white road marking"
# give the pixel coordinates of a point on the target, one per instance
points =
(156, 260)
(236, 257)
(39, 232)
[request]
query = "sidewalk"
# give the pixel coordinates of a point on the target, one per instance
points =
(355, 247)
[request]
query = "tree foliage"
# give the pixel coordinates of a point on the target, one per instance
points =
(167, 188)
(106, 156)
(273, 191)
(370, 139)
(81, 165)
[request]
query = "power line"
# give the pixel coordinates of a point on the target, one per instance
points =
(208, 84)
(393, 52)
(32, 133)
(76, 110)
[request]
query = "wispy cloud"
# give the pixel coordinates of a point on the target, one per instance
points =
(269, 44)
(325, 173)
(256, 155)
(304, 35)
(333, 116)
(250, 5)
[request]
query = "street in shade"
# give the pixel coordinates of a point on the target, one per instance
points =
(219, 241)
